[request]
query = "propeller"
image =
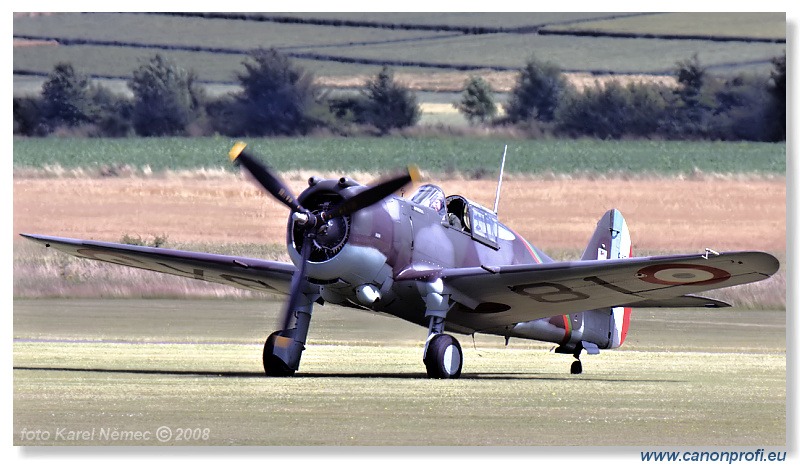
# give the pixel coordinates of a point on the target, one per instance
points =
(313, 224)
(268, 180)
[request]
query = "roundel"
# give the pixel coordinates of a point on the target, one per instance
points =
(672, 274)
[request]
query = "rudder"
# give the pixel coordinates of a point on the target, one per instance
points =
(611, 238)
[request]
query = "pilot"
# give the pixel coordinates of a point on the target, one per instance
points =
(437, 204)
(431, 196)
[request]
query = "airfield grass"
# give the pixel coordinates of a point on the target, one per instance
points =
(139, 365)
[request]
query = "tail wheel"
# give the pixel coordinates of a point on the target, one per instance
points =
(443, 359)
(576, 368)
(273, 365)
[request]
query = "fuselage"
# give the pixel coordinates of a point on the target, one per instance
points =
(380, 258)
(380, 252)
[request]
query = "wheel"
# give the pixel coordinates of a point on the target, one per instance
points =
(576, 368)
(444, 358)
(273, 365)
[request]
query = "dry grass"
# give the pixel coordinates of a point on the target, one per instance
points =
(40, 274)
(663, 214)
(217, 211)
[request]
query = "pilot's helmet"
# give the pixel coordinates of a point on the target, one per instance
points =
(431, 196)
(437, 203)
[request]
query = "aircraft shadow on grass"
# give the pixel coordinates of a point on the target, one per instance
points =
(344, 375)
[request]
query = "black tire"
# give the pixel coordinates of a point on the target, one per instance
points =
(273, 365)
(444, 358)
(576, 368)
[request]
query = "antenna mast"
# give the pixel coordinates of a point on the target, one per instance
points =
(500, 180)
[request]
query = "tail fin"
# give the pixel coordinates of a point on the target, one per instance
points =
(612, 240)
(599, 328)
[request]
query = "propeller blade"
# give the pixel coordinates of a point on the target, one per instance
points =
(373, 194)
(268, 180)
(297, 283)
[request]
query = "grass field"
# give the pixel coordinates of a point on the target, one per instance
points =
(579, 54)
(722, 24)
(448, 155)
(217, 46)
(506, 20)
(208, 33)
(504, 52)
(139, 365)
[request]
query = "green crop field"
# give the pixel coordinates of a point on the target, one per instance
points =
(570, 53)
(507, 20)
(217, 46)
(209, 33)
(438, 155)
(722, 24)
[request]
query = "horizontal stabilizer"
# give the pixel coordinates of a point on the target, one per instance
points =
(590, 347)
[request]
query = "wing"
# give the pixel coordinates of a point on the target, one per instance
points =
(491, 297)
(239, 272)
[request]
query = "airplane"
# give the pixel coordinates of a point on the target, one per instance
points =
(443, 262)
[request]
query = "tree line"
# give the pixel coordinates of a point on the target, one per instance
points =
(276, 97)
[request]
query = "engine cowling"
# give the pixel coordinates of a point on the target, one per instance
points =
(342, 259)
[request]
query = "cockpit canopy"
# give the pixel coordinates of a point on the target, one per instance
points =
(460, 213)
(431, 196)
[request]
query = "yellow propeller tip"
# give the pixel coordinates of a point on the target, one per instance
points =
(413, 172)
(236, 150)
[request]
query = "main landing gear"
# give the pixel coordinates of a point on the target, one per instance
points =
(443, 357)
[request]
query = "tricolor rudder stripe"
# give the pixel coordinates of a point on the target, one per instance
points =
(620, 321)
